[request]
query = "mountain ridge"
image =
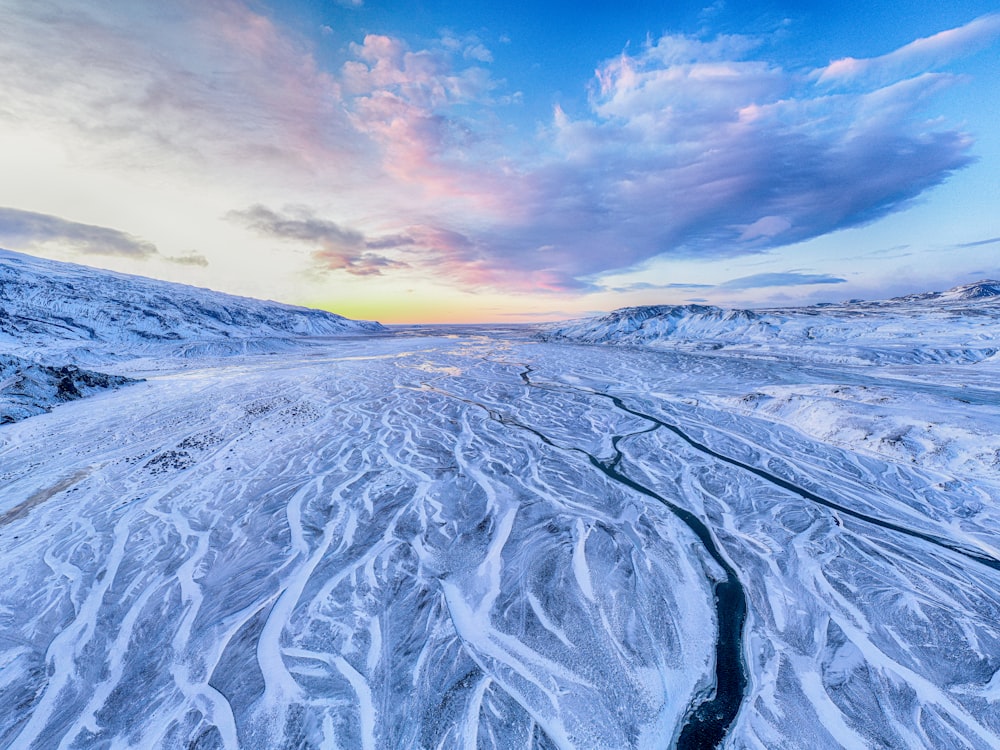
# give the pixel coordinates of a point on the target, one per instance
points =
(63, 324)
(958, 325)
(43, 302)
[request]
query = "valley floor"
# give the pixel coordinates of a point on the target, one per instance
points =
(470, 538)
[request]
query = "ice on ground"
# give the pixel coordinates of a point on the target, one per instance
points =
(472, 538)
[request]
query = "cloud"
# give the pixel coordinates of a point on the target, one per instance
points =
(431, 115)
(755, 281)
(188, 259)
(691, 148)
(26, 230)
(912, 58)
(297, 225)
(196, 86)
(389, 241)
(425, 78)
(717, 156)
(766, 227)
(643, 286)
(791, 278)
(477, 52)
(978, 243)
(688, 147)
(335, 248)
(704, 149)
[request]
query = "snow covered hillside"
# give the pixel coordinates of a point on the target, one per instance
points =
(468, 537)
(67, 313)
(934, 337)
(28, 388)
(58, 320)
(959, 325)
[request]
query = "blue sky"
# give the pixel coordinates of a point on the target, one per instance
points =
(434, 161)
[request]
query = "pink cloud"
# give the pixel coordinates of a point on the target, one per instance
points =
(405, 102)
(201, 85)
(690, 147)
(689, 150)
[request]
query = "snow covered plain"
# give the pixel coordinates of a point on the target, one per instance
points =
(469, 537)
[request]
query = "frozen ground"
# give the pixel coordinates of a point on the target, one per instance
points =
(291, 530)
(470, 538)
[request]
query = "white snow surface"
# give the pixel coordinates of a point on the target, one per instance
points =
(52, 310)
(28, 388)
(471, 538)
(959, 325)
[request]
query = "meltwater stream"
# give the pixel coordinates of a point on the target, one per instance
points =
(707, 721)
(341, 549)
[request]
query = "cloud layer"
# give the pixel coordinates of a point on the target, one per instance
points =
(789, 278)
(28, 230)
(689, 146)
(334, 248)
(209, 86)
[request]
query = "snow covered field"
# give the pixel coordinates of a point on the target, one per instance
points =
(469, 537)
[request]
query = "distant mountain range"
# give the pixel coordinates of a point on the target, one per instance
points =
(43, 302)
(978, 290)
(57, 319)
(958, 325)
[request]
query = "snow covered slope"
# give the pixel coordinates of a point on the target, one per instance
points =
(477, 540)
(959, 325)
(947, 342)
(56, 318)
(27, 388)
(470, 538)
(48, 307)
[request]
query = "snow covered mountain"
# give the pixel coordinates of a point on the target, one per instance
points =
(48, 306)
(959, 325)
(56, 318)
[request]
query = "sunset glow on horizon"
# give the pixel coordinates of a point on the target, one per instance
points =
(420, 162)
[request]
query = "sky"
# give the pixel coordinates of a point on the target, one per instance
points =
(445, 162)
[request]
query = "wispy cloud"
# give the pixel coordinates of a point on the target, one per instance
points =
(645, 286)
(791, 278)
(423, 110)
(335, 248)
(188, 259)
(26, 230)
(978, 243)
(754, 281)
(915, 57)
(210, 85)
